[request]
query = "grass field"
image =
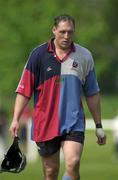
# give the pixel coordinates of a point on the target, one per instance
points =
(97, 163)
(109, 107)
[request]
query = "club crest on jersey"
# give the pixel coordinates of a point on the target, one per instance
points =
(75, 64)
(49, 68)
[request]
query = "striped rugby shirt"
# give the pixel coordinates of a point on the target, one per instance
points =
(57, 88)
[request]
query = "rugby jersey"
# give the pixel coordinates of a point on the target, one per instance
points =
(57, 88)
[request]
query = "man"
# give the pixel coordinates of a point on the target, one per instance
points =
(56, 73)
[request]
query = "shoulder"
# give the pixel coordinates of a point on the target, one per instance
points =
(37, 53)
(85, 58)
(38, 50)
(84, 52)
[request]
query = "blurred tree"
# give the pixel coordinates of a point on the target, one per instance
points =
(109, 77)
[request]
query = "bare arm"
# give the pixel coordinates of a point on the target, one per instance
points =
(20, 104)
(94, 106)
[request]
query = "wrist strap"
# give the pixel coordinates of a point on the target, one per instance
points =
(98, 125)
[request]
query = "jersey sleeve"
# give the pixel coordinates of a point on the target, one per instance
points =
(27, 81)
(90, 86)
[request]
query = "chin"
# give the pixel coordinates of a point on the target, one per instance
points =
(65, 46)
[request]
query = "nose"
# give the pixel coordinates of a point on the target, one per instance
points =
(66, 35)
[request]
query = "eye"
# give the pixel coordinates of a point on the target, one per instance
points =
(68, 32)
(62, 32)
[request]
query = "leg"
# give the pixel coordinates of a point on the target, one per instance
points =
(51, 166)
(72, 154)
(50, 153)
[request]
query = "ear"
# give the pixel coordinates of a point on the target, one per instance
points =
(54, 29)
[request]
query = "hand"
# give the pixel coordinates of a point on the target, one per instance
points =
(14, 128)
(101, 136)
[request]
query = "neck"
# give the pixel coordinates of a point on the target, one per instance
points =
(60, 49)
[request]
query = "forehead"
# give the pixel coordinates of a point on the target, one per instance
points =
(65, 25)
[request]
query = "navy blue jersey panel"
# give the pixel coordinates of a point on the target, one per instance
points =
(33, 64)
(49, 68)
(43, 64)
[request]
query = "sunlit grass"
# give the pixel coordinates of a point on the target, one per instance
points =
(97, 163)
(109, 107)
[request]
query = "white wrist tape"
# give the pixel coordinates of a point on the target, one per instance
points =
(100, 132)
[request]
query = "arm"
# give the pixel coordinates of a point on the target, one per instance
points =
(94, 107)
(20, 103)
(93, 103)
(25, 89)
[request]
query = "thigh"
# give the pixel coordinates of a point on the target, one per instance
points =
(72, 145)
(50, 147)
(72, 151)
(50, 156)
(51, 165)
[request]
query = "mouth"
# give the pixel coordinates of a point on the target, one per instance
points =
(66, 42)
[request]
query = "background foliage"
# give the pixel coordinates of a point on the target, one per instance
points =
(25, 24)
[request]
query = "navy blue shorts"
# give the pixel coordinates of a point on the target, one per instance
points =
(50, 147)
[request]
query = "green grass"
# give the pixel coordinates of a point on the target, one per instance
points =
(109, 107)
(97, 163)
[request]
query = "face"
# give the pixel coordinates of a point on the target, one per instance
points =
(63, 33)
